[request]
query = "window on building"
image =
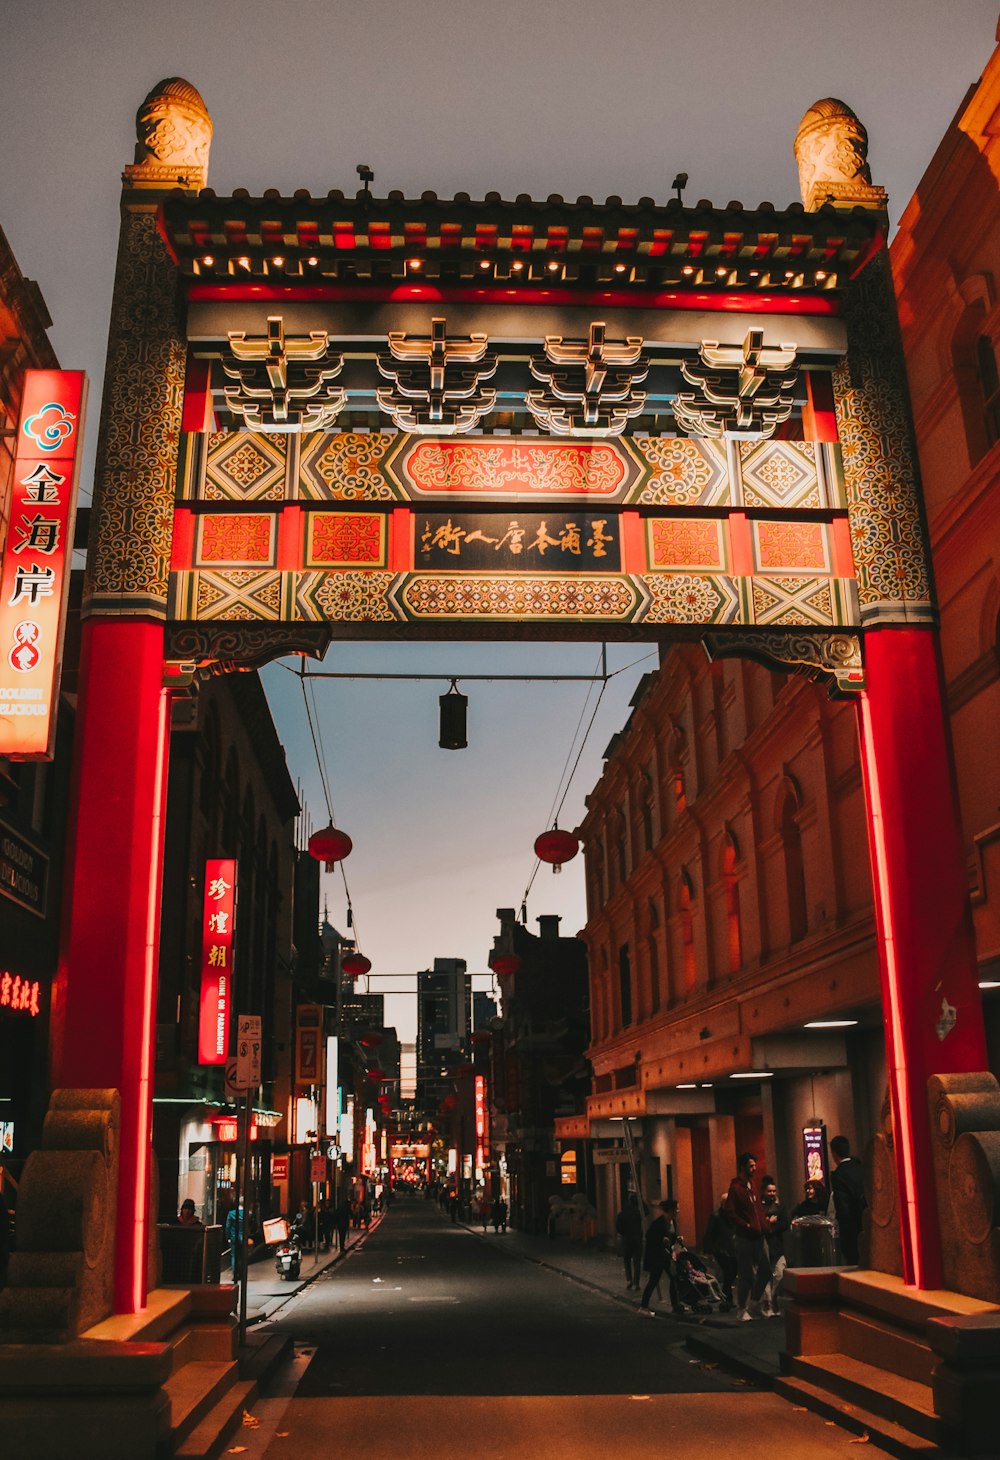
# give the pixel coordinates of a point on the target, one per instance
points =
(625, 985)
(989, 385)
(653, 944)
(730, 857)
(795, 881)
(689, 966)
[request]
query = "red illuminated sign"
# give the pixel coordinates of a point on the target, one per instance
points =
(20, 995)
(227, 1129)
(481, 1138)
(279, 1168)
(36, 560)
(218, 918)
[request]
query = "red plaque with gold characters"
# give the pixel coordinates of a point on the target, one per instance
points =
(34, 577)
(217, 961)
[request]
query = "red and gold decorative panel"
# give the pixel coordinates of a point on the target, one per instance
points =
(345, 467)
(237, 538)
(244, 466)
(686, 543)
(343, 539)
(508, 469)
(683, 472)
(576, 597)
(791, 547)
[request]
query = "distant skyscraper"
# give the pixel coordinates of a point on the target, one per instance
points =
(444, 1020)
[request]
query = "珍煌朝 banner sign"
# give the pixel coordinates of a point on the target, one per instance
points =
(218, 918)
(34, 577)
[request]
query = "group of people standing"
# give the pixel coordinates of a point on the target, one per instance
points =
(745, 1235)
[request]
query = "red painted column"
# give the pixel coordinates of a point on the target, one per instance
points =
(103, 1010)
(930, 986)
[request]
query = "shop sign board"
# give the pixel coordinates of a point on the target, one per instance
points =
(279, 1168)
(248, 1042)
(218, 920)
(814, 1154)
(308, 1034)
(317, 1169)
(24, 871)
(34, 574)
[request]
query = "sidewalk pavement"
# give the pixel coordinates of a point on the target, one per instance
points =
(751, 1350)
(267, 1292)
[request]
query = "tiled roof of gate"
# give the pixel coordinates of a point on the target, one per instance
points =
(363, 239)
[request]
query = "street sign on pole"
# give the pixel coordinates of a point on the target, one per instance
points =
(248, 1040)
(317, 1169)
(233, 1086)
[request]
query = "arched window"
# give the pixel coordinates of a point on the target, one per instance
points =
(795, 881)
(625, 986)
(989, 386)
(678, 745)
(685, 901)
(730, 882)
(653, 949)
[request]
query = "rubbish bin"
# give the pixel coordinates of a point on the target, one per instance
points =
(813, 1242)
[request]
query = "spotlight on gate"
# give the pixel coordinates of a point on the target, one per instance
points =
(453, 708)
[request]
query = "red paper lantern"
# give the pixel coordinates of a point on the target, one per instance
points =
(355, 964)
(505, 964)
(557, 847)
(330, 846)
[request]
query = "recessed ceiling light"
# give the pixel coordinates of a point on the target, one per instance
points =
(312, 261)
(415, 264)
(517, 266)
(830, 1024)
(687, 269)
(484, 263)
(553, 266)
(620, 268)
(687, 1087)
(244, 262)
(753, 1075)
(989, 983)
(208, 261)
(278, 260)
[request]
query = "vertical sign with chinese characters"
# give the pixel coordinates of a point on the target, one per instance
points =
(218, 918)
(481, 1142)
(34, 576)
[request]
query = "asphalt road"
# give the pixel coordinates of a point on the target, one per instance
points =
(431, 1340)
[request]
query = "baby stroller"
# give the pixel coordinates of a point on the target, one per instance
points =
(696, 1287)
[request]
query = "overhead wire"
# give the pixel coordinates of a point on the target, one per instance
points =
(325, 783)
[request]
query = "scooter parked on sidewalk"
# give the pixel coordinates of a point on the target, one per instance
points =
(288, 1259)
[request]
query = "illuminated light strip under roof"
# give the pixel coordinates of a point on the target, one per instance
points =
(753, 1075)
(830, 1024)
(989, 983)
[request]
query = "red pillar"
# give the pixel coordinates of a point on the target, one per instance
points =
(103, 1012)
(928, 956)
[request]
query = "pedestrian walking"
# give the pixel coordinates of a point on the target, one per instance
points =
(453, 1205)
(661, 1234)
(187, 1216)
(776, 1224)
(342, 1223)
(848, 1185)
(235, 1218)
(747, 1221)
(499, 1214)
(718, 1243)
(629, 1228)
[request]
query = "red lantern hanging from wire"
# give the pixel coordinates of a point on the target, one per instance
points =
(556, 847)
(355, 965)
(330, 846)
(505, 965)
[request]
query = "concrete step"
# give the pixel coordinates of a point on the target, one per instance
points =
(223, 1421)
(194, 1390)
(902, 1401)
(865, 1337)
(894, 1438)
(260, 1359)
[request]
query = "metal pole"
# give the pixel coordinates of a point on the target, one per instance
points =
(242, 1232)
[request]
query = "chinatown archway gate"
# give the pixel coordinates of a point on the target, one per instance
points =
(361, 417)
